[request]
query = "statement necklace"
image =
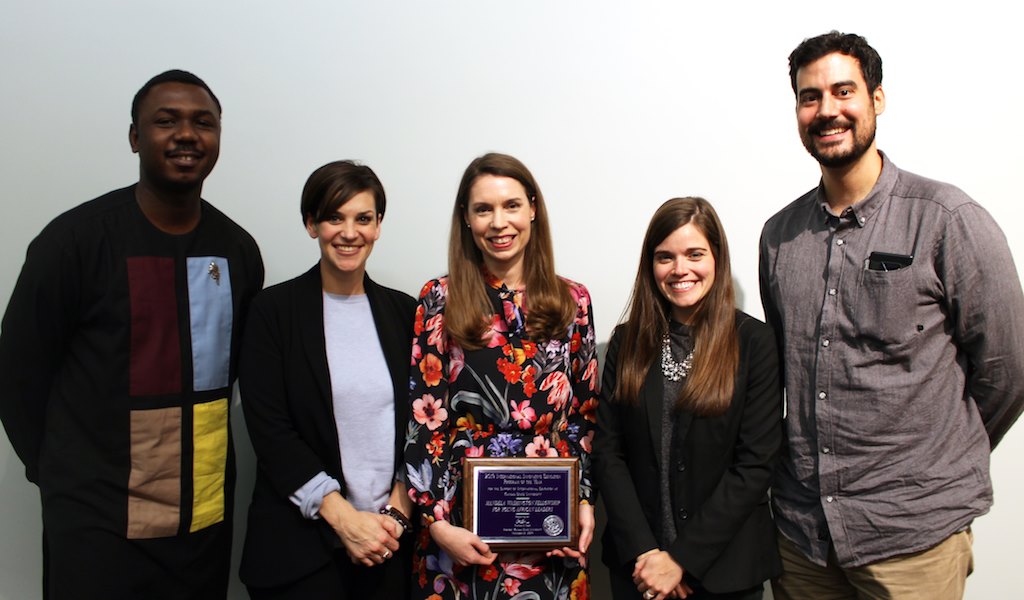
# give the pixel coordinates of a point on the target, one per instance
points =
(672, 370)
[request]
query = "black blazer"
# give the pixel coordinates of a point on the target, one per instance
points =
(286, 396)
(720, 471)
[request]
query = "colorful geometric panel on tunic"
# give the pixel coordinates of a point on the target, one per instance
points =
(155, 350)
(209, 461)
(154, 484)
(210, 319)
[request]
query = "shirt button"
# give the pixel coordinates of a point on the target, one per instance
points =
(832, 291)
(861, 220)
(826, 450)
(840, 242)
(824, 343)
(682, 514)
(822, 395)
(829, 498)
(681, 466)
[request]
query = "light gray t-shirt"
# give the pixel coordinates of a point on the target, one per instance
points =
(363, 398)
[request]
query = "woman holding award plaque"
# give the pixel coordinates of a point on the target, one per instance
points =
(690, 424)
(504, 365)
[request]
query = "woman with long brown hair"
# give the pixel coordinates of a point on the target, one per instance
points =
(690, 424)
(504, 365)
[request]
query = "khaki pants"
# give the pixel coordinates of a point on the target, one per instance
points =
(938, 573)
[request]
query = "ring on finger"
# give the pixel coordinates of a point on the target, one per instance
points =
(386, 555)
(649, 594)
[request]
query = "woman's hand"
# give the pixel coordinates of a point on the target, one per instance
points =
(462, 545)
(586, 519)
(400, 500)
(369, 538)
(658, 576)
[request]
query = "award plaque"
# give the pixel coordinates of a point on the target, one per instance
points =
(522, 503)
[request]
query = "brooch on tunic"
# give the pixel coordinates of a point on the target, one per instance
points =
(670, 368)
(214, 272)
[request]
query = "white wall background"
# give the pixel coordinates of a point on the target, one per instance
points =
(615, 107)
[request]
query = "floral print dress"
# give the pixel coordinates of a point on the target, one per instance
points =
(515, 397)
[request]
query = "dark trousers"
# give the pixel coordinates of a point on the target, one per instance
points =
(342, 580)
(623, 588)
(94, 564)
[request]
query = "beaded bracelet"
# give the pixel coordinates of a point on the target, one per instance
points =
(397, 515)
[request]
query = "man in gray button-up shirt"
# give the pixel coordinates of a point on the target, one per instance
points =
(901, 322)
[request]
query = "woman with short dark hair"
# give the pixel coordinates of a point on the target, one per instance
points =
(324, 381)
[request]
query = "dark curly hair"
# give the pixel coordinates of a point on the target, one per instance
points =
(849, 44)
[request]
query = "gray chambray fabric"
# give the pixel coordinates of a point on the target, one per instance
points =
(899, 381)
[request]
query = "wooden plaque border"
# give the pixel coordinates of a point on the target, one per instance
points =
(471, 467)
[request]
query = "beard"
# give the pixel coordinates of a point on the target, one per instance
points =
(831, 158)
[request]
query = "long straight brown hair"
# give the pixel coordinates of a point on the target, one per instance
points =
(550, 307)
(709, 386)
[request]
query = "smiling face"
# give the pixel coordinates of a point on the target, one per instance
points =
(684, 270)
(177, 136)
(500, 216)
(835, 111)
(346, 238)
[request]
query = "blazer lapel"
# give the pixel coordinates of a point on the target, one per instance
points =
(392, 342)
(310, 317)
(396, 342)
(652, 399)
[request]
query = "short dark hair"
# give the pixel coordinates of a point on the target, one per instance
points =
(172, 76)
(336, 183)
(849, 44)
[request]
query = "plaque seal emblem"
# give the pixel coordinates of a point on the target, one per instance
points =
(553, 525)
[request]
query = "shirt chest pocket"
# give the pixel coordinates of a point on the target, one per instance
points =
(885, 308)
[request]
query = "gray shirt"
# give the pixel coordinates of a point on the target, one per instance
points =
(364, 409)
(364, 400)
(898, 380)
(681, 345)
